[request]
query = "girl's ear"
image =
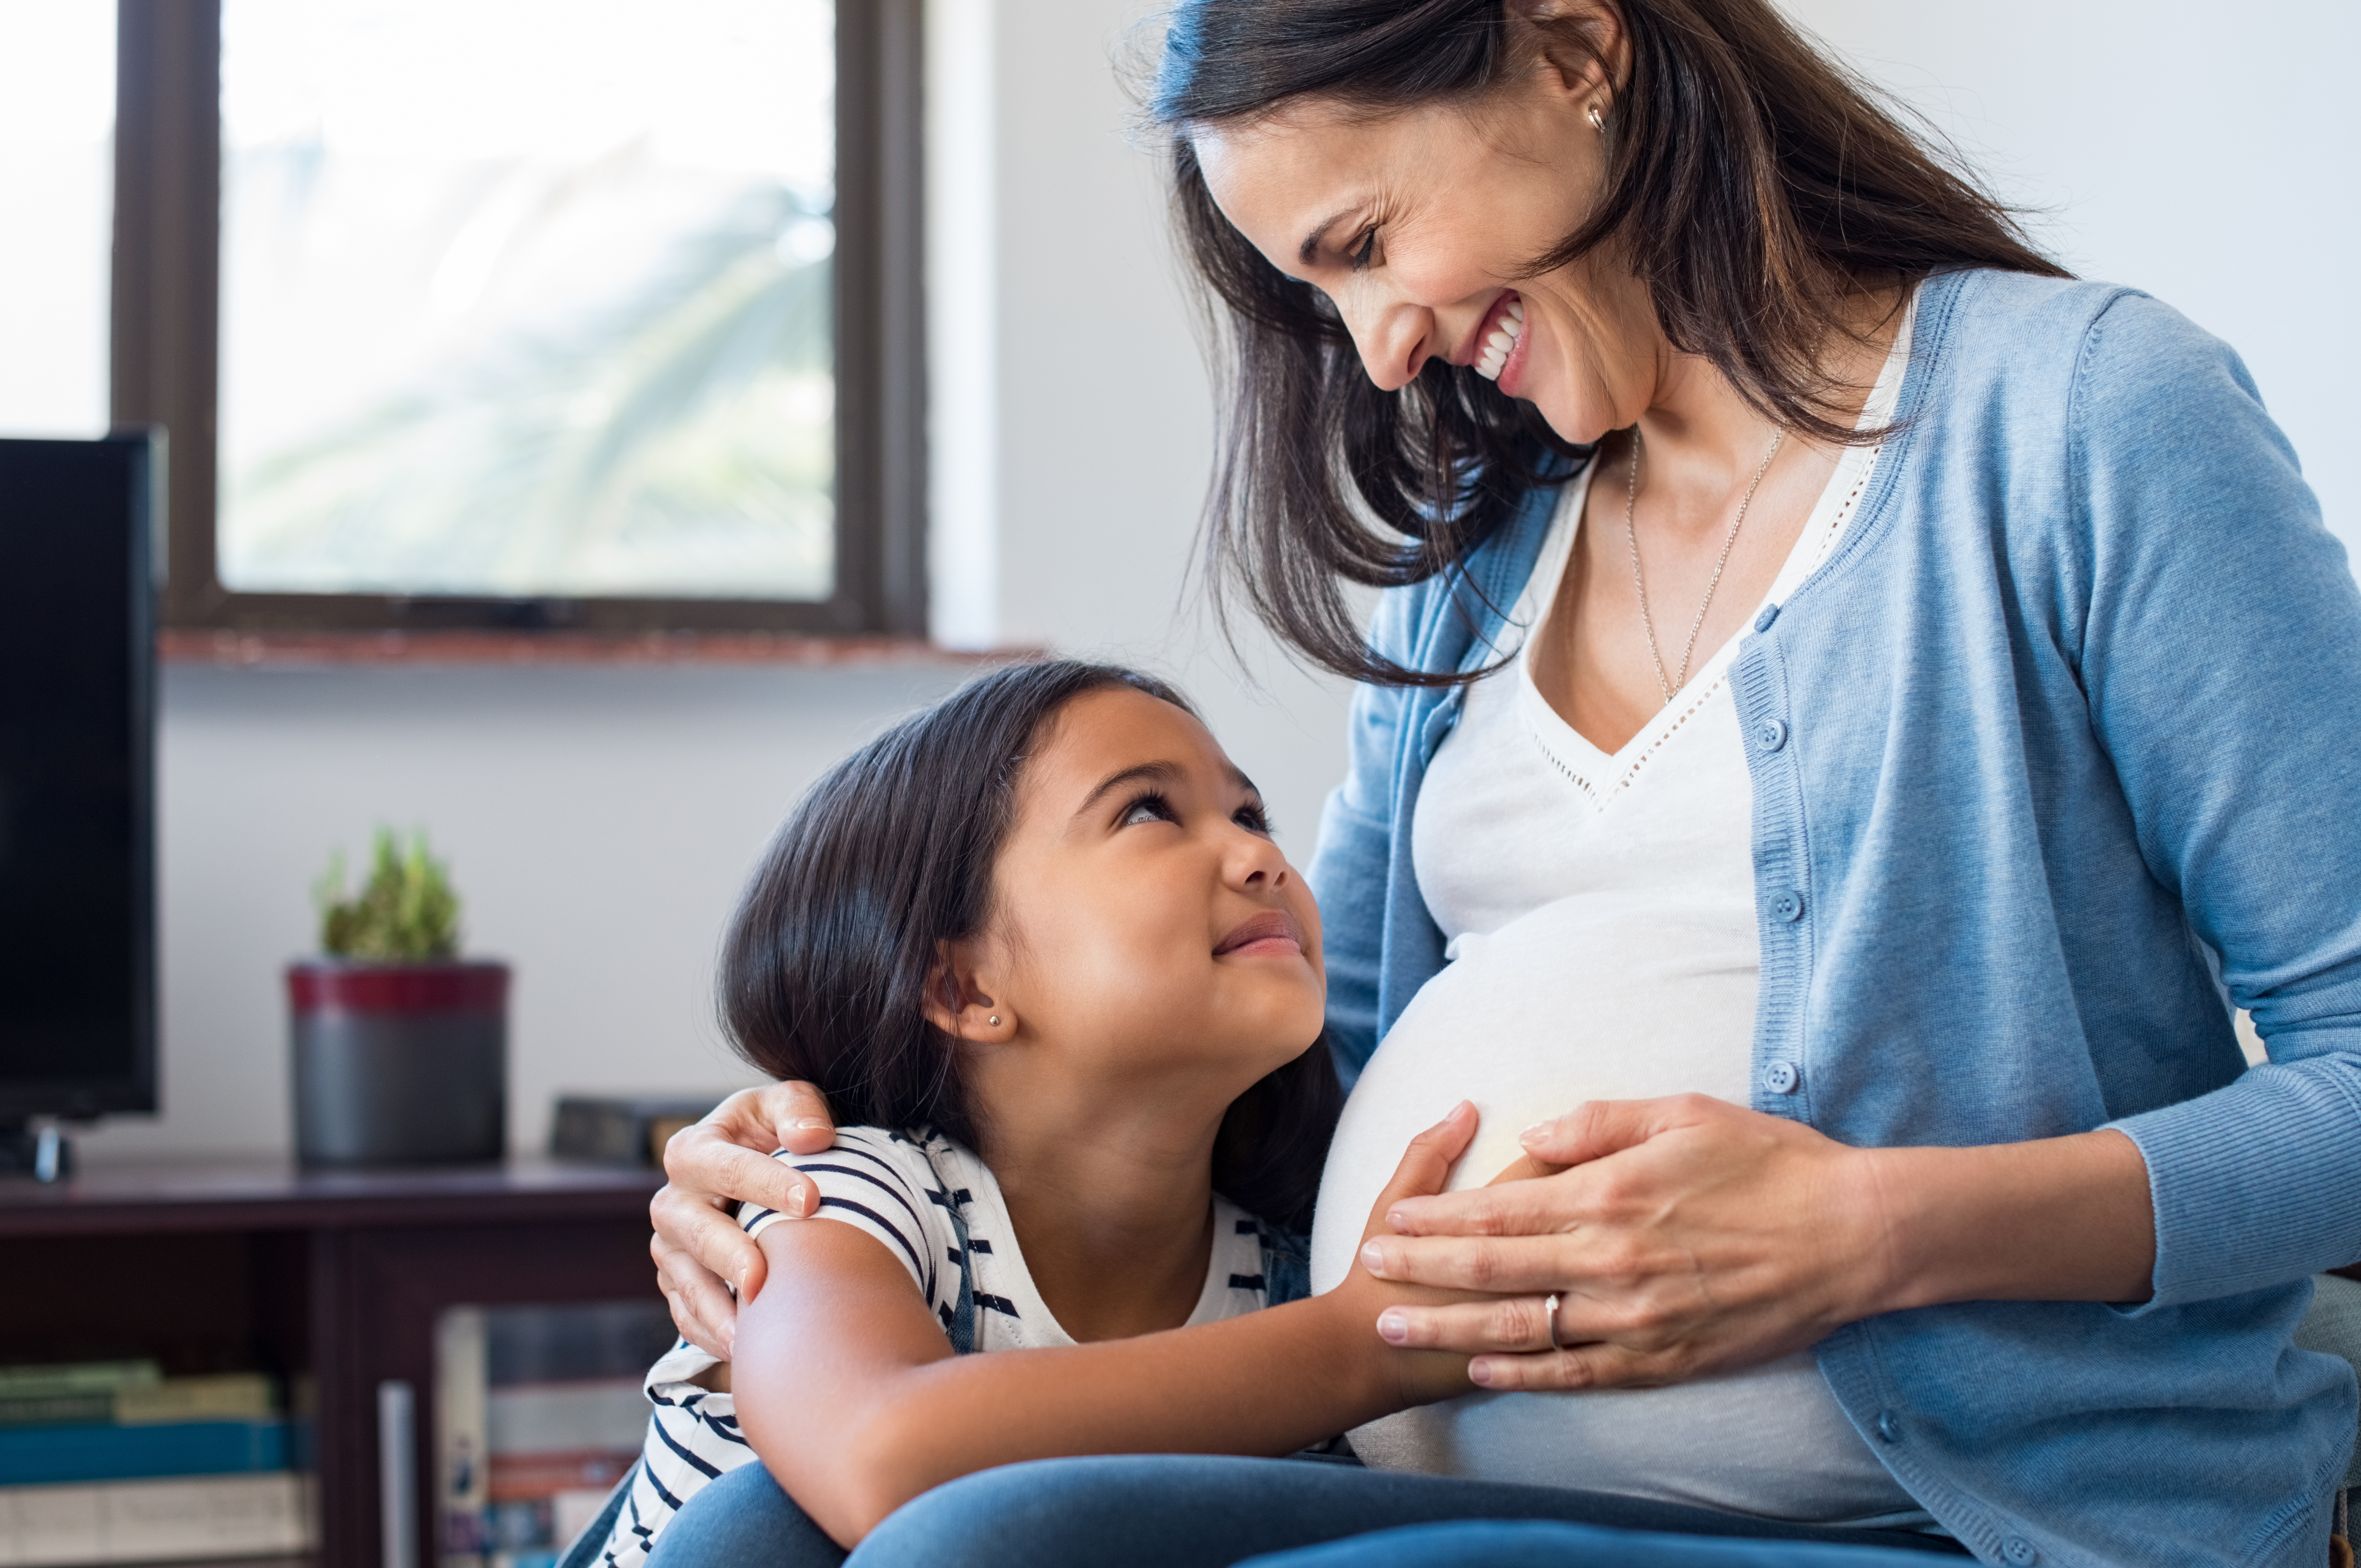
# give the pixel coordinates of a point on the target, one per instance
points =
(960, 997)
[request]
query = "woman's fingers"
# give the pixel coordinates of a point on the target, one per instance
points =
(1585, 1367)
(1523, 1200)
(700, 1253)
(1494, 1264)
(702, 1307)
(791, 1116)
(1601, 1127)
(1501, 1323)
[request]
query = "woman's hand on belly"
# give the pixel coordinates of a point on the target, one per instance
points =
(1686, 1236)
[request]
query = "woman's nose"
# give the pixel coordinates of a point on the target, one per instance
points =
(1393, 339)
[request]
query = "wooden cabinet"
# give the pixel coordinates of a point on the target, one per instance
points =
(332, 1281)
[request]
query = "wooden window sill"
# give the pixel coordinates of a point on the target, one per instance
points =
(282, 650)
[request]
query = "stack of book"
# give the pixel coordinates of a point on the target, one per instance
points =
(113, 1461)
(538, 1413)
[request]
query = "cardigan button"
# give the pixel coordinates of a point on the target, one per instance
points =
(1770, 734)
(1788, 907)
(2020, 1551)
(1770, 613)
(1781, 1077)
(1889, 1426)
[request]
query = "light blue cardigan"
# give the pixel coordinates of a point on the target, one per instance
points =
(2068, 727)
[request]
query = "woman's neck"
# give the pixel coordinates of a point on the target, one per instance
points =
(1111, 1194)
(1704, 437)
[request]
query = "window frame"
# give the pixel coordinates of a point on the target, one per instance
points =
(164, 351)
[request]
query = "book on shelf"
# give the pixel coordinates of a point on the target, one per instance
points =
(539, 1414)
(179, 1520)
(113, 1461)
(48, 1455)
(69, 1394)
(128, 1392)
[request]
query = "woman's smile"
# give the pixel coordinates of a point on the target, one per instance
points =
(1503, 348)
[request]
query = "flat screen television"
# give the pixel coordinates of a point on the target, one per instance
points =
(80, 522)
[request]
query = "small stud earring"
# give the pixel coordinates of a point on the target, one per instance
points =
(1597, 120)
(994, 1020)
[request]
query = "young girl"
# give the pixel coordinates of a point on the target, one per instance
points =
(1065, 993)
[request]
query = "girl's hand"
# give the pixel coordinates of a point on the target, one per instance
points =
(711, 1167)
(1416, 1377)
(1688, 1236)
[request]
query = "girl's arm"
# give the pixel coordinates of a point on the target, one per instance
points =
(849, 1392)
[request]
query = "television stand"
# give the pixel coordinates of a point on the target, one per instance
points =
(332, 1280)
(42, 1152)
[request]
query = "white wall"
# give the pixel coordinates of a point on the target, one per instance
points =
(2204, 153)
(599, 820)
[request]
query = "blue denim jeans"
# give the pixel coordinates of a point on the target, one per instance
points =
(1189, 1511)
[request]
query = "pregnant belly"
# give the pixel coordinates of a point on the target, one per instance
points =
(1574, 1001)
(1578, 1002)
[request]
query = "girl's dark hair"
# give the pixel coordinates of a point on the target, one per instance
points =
(825, 966)
(1755, 187)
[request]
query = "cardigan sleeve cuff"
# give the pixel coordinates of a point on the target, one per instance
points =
(2254, 1184)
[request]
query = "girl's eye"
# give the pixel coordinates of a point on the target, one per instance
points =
(1147, 808)
(1254, 819)
(1368, 248)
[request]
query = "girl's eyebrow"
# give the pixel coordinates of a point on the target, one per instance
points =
(1158, 772)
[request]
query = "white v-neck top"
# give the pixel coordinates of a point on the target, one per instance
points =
(1600, 915)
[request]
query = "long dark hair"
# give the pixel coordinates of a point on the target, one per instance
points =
(825, 966)
(1756, 188)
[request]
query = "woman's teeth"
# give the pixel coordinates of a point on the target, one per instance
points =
(1503, 337)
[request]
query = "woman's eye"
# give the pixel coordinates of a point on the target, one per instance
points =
(1368, 248)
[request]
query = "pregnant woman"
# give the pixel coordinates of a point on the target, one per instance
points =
(1850, 711)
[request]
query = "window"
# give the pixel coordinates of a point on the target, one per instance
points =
(57, 118)
(526, 313)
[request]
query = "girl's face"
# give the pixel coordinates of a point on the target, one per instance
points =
(1419, 226)
(1144, 921)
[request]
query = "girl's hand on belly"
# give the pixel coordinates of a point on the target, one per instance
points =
(1685, 1235)
(1412, 1376)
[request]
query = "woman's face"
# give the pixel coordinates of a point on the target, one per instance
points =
(1419, 226)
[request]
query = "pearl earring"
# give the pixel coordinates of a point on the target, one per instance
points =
(1597, 120)
(994, 1020)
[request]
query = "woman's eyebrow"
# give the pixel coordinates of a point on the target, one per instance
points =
(1310, 248)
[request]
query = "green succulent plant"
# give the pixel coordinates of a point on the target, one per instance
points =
(404, 913)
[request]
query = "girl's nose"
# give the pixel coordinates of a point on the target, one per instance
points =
(1257, 863)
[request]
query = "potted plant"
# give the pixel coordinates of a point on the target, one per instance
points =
(401, 1047)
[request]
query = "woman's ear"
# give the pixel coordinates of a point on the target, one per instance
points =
(1585, 42)
(961, 996)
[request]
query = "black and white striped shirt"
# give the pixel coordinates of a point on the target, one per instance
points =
(935, 1207)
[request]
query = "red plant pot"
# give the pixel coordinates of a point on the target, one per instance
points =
(399, 1063)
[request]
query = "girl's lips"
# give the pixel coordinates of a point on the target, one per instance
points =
(1265, 935)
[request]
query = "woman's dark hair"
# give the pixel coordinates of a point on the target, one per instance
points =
(825, 966)
(1755, 187)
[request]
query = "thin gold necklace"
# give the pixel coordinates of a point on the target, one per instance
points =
(1639, 581)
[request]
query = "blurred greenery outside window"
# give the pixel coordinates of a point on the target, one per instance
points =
(500, 314)
(527, 298)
